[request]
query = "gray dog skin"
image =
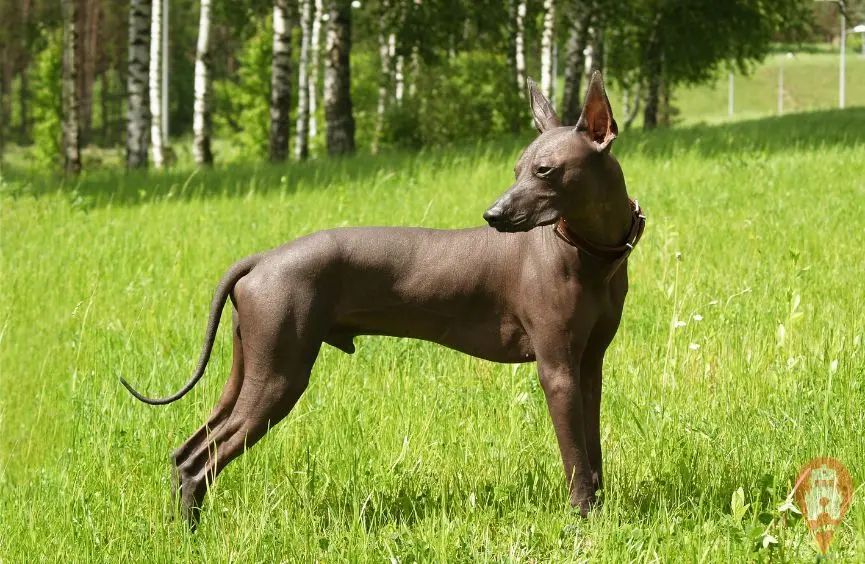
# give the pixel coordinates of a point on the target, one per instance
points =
(517, 292)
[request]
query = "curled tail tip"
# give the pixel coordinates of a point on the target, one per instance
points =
(137, 395)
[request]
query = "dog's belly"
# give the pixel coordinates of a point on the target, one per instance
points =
(495, 339)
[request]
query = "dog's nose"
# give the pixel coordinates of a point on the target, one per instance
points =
(493, 215)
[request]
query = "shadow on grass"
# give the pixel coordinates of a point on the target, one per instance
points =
(803, 131)
(414, 499)
(102, 187)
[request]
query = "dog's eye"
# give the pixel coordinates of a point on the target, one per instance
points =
(544, 171)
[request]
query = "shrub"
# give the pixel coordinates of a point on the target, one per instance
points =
(469, 96)
(47, 101)
(242, 103)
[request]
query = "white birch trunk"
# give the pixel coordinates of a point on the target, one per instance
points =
(520, 43)
(594, 51)
(156, 134)
(398, 71)
(201, 119)
(589, 61)
(280, 95)
(138, 60)
(315, 49)
(71, 134)
(547, 39)
(301, 146)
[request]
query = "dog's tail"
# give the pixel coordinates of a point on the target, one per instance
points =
(223, 290)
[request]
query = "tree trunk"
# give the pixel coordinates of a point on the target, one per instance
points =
(631, 109)
(138, 61)
(594, 50)
(315, 48)
(547, 40)
(665, 110)
(103, 107)
(156, 134)
(384, 79)
(653, 94)
(520, 47)
(89, 48)
(414, 65)
(280, 83)
(572, 104)
(71, 150)
(301, 146)
(201, 119)
(5, 92)
(399, 79)
(414, 59)
(4, 113)
(337, 80)
(23, 107)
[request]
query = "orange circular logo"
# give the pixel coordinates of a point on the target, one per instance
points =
(824, 491)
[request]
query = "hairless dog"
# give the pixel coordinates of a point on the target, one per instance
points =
(547, 283)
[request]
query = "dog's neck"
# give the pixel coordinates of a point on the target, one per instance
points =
(606, 221)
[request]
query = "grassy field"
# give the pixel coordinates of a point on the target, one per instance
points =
(739, 358)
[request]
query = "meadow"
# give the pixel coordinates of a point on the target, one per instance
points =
(739, 358)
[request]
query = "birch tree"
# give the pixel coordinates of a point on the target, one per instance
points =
(520, 46)
(314, 63)
(138, 60)
(575, 64)
(157, 137)
(414, 60)
(398, 78)
(338, 111)
(384, 55)
(547, 40)
(280, 82)
(201, 119)
(594, 51)
(71, 149)
(301, 146)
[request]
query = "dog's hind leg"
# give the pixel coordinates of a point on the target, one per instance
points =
(264, 400)
(280, 344)
(220, 412)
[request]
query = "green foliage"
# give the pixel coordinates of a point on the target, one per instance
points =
(242, 101)
(47, 100)
(468, 97)
(694, 38)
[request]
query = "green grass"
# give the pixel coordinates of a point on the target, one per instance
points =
(407, 450)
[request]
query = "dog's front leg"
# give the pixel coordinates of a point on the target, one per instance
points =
(561, 383)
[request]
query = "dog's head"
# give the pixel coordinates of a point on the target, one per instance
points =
(563, 168)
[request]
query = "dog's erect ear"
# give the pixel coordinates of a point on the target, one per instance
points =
(596, 122)
(542, 111)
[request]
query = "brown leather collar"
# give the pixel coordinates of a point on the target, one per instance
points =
(617, 254)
